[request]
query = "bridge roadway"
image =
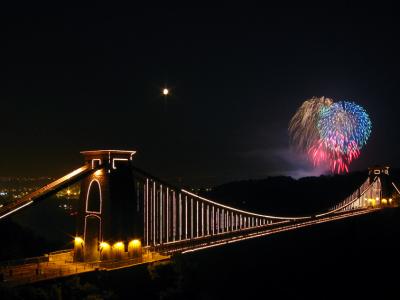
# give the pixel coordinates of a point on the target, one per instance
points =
(196, 244)
(61, 264)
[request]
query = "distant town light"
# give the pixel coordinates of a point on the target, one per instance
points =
(165, 92)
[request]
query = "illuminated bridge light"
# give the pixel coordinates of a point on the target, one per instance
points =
(135, 243)
(98, 172)
(78, 241)
(135, 248)
(104, 246)
(105, 251)
(119, 246)
(118, 250)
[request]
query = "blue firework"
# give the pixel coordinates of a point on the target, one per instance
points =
(343, 126)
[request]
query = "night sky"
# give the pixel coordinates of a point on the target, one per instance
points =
(82, 78)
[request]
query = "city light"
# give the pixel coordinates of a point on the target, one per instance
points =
(165, 92)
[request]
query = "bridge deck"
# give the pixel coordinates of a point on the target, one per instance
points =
(200, 243)
(62, 265)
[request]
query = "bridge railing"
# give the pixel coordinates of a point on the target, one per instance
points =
(359, 198)
(30, 260)
(173, 215)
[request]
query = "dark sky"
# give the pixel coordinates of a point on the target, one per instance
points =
(80, 78)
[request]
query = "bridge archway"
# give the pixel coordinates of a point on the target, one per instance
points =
(92, 237)
(94, 198)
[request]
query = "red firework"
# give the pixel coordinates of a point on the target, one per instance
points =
(329, 152)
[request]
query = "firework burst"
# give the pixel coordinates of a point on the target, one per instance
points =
(330, 133)
(344, 123)
(302, 127)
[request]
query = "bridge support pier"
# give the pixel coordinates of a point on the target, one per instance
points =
(109, 212)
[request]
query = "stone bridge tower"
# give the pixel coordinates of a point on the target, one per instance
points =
(109, 213)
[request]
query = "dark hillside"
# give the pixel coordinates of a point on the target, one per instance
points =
(288, 196)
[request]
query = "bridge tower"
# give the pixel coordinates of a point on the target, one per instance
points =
(382, 172)
(109, 210)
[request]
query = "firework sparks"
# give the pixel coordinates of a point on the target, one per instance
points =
(302, 127)
(344, 123)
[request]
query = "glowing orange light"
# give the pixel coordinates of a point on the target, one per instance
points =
(98, 172)
(78, 241)
(104, 246)
(135, 243)
(119, 245)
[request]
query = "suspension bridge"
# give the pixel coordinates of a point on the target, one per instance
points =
(128, 217)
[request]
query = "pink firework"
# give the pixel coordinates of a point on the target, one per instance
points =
(329, 152)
